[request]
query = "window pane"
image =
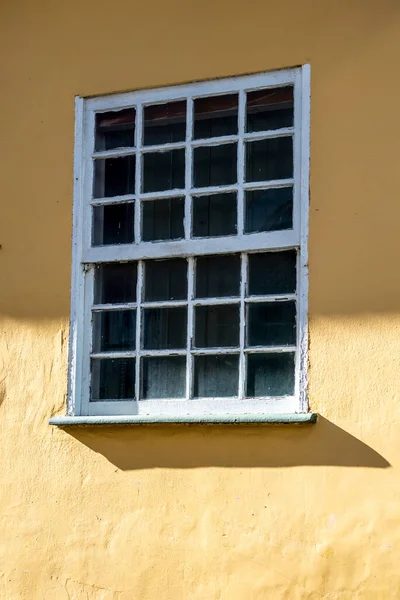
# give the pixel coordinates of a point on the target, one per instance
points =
(270, 374)
(216, 376)
(216, 326)
(163, 171)
(269, 210)
(164, 328)
(165, 123)
(114, 330)
(115, 129)
(215, 165)
(165, 279)
(115, 283)
(214, 215)
(163, 219)
(113, 224)
(270, 109)
(218, 276)
(271, 324)
(272, 273)
(113, 379)
(164, 377)
(269, 159)
(114, 177)
(216, 116)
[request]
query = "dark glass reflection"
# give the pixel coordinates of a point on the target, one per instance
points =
(163, 377)
(215, 165)
(164, 328)
(114, 330)
(113, 224)
(216, 376)
(269, 159)
(269, 210)
(163, 171)
(270, 109)
(216, 326)
(165, 279)
(214, 215)
(218, 276)
(216, 116)
(270, 374)
(114, 177)
(115, 283)
(115, 129)
(271, 324)
(272, 273)
(113, 379)
(163, 219)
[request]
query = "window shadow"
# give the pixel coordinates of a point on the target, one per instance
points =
(191, 446)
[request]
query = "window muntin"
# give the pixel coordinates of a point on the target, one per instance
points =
(192, 270)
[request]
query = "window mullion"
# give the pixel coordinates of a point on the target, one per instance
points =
(139, 287)
(190, 328)
(240, 161)
(242, 327)
(188, 168)
(138, 167)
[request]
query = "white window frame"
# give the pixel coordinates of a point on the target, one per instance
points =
(84, 256)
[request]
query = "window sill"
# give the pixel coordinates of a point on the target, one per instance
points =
(260, 419)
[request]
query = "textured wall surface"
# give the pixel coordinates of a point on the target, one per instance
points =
(216, 513)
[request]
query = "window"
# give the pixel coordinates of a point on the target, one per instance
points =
(189, 292)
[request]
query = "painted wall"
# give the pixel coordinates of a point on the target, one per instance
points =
(216, 513)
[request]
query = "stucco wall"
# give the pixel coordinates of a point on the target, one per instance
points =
(218, 513)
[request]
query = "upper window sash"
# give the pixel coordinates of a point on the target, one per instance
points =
(189, 92)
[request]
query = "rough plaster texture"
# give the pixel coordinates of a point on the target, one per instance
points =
(216, 513)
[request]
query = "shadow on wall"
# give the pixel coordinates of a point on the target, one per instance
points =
(191, 446)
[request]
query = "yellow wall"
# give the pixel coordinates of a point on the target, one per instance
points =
(216, 513)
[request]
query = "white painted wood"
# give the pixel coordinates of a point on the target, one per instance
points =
(202, 406)
(139, 320)
(190, 329)
(242, 326)
(269, 79)
(270, 240)
(76, 326)
(82, 293)
(303, 82)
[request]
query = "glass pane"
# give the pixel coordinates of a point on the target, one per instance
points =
(115, 283)
(165, 123)
(164, 328)
(218, 276)
(115, 129)
(114, 330)
(164, 377)
(270, 374)
(163, 219)
(271, 324)
(269, 210)
(270, 109)
(114, 177)
(163, 171)
(165, 280)
(269, 159)
(215, 165)
(216, 116)
(216, 376)
(216, 326)
(214, 215)
(113, 379)
(113, 224)
(272, 273)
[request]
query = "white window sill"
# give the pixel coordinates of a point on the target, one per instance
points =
(260, 419)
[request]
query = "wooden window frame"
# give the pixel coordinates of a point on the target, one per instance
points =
(85, 256)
